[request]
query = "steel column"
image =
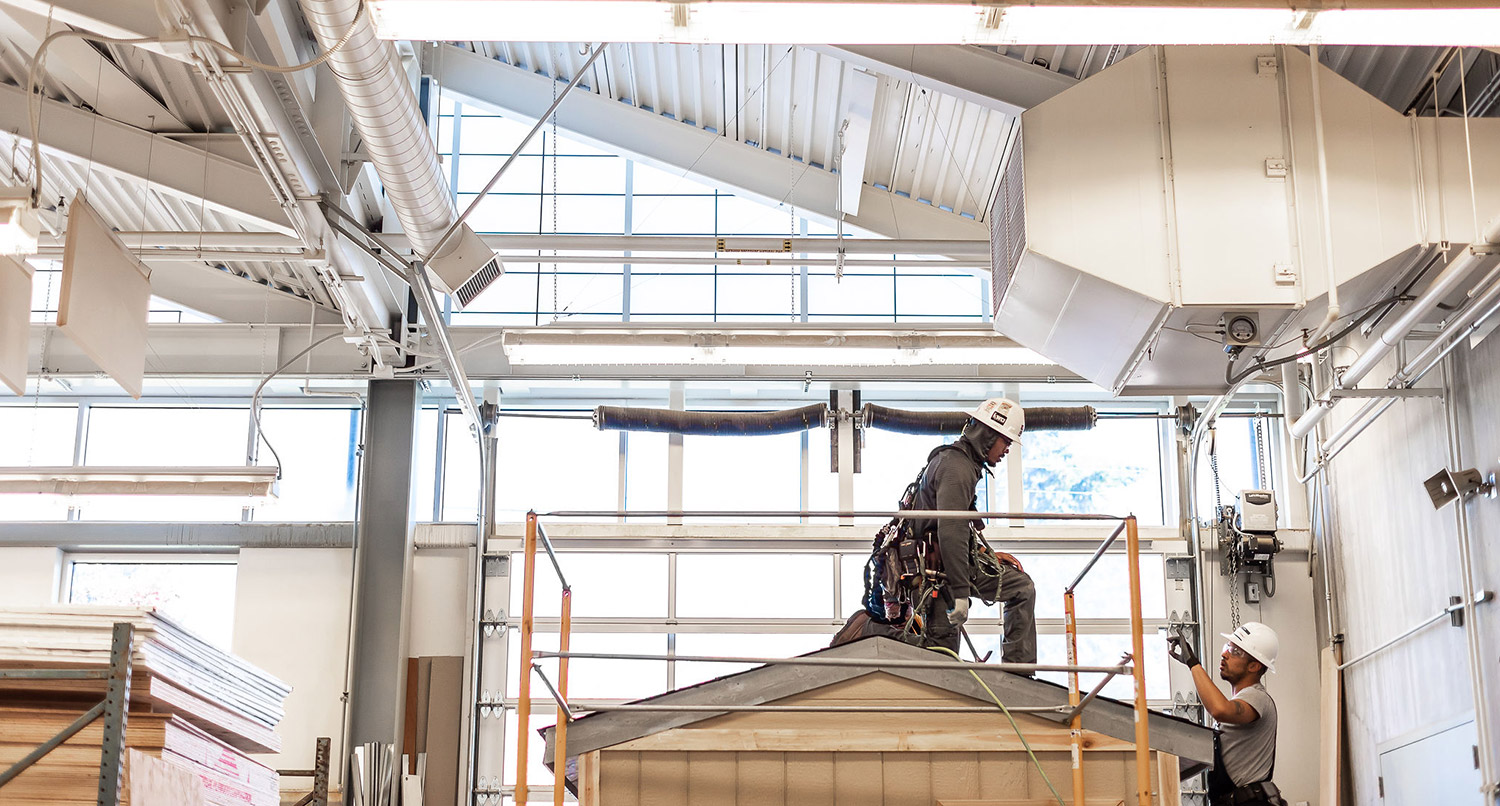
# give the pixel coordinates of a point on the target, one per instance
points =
(382, 566)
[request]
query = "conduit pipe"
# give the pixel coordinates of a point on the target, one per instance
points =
(1483, 307)
(1050, 418)
(1444, 285)
(384, 111)
(1324, 208)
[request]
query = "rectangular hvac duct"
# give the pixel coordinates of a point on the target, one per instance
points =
(1147, 202)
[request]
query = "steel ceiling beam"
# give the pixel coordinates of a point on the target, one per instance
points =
(236, 351)
(126, 152)
(653, 138)
(966, 72)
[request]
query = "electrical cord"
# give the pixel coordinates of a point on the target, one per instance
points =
(1013, 725)
(255, 396)
(1261, 364)
(34, 104)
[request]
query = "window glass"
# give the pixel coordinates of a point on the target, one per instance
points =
(596, 679)
(460, 469)
(1234, 441)
(745, 645)
(1103, 594)
(199, 596)
(866, 296)
(655, 296)
(648, 180)
(36, 435)
(742, 473)
(646, 471)
(168, 436)
(550, 465)
(747, 217)
(424, 478)
(759, 295)
(319, 471)
(1115, 469)
(673, 215)
(604, 585)
(754, 586)
(891, 461)
(954, 295)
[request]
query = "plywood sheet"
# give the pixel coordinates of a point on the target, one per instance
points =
(106, 294)
(15, 322)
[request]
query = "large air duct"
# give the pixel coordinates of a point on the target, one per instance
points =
(1152, 205)
(385, 114)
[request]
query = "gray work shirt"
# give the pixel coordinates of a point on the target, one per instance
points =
(1249, 750)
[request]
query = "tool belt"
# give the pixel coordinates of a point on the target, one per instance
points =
(1263, 793)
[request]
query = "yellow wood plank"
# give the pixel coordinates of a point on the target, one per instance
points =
(846, 740)
(620, 778)
(809, 779)
(711, 777)
(1168, 784)
(761, 778)
(1330, 728)
(1059, 769)
(588, 779)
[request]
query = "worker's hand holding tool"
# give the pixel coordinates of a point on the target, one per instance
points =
(1179, 650)
(960, 612)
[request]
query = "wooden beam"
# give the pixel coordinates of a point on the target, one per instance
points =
(821, 740)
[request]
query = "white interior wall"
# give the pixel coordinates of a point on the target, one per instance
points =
(29, 576)
(1397, 564)
(291, 618)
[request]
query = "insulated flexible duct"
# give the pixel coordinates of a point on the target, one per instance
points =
(1048, 418)
(711, 423)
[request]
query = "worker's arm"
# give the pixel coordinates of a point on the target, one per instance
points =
(1223, 709)
(954, 491)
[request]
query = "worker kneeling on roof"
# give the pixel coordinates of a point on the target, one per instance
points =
(950, 482)
(1245, 745)
(922, 571)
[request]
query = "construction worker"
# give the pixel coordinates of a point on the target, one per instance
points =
(1245, 744)
(950, 482)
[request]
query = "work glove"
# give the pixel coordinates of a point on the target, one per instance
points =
(960, 612)
(1179, 650)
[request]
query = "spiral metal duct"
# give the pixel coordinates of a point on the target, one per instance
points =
(711, 423)
(1043, 418)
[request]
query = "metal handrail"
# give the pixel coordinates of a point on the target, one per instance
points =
(860, 663)
(802, 513)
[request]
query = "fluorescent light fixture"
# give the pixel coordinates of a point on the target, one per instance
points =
(19, 226)
(834, 22)
(236, 482)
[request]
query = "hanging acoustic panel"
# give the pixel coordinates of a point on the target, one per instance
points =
(15, 322)
(106, 294)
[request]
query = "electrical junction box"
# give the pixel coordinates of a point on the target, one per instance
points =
(1257, 510)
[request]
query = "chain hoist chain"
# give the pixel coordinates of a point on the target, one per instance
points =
(791, 202)
(1222, 526)
(1260, 450)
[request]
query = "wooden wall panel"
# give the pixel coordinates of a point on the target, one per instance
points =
(711, 778)
(761, 779)
(1002, 775)
(857, 779)
(620, 778)
(588, 779)
(809, 779)
(664, 779)
(1059, 769)
(908, 778)
(955, 775)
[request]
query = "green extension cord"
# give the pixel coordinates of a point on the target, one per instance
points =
(1013, 725)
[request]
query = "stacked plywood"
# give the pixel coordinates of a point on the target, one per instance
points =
(193, 706)
(69, 773)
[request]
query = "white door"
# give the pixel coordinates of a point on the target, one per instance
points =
(1438, 767)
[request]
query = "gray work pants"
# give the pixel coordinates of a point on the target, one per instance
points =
(1017, 594)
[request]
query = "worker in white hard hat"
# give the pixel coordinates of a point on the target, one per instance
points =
(949, 482)
(1245, 744)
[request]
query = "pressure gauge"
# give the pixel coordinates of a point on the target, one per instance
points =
(1241, 329)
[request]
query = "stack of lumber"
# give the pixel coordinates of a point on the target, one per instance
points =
(69, 774)
(192, 705)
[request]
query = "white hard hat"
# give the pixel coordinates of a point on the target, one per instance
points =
(1258, 641)
(1003, 415)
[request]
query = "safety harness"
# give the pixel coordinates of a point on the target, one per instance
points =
(904, 574)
